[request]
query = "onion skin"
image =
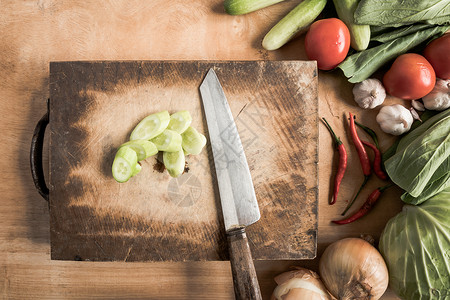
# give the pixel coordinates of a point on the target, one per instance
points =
(293, 279)
(353, 269)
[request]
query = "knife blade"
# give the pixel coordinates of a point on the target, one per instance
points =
(237, 194)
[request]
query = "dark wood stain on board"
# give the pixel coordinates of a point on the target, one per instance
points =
(95, 105)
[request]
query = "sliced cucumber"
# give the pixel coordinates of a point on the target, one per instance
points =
(203, 140)
(151, 126)
(174, 162)
(180, 121)
(137, 169)
(143, 148)
(193, 141)
(168, 140)
(124, 164)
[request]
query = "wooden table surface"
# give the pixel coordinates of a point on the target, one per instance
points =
(33, 33)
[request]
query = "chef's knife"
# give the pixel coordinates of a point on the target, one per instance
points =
(237, 195)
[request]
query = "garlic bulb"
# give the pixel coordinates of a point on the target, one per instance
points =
(394, 119)
(298, 285)
(369, 93)
(439, 97)
(352, 268)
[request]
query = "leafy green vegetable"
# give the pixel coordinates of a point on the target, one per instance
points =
(389, 152)
(440, 179)
(437, 183)
(397, 33)
(420, 156)
(427, 123)
(376, 30)
(362, 65)
(428, 114)
(415, 245)
(400, 12)
(439, 20)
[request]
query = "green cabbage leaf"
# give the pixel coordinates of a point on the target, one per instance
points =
(416, 247)
(399, 12)
(421, 164)
(438, 182)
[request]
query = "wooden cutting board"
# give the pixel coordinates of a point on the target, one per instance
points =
(94, 106)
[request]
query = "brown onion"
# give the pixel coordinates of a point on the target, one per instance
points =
(353, 269)
(298, 285)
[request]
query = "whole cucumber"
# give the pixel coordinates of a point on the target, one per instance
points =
(296, 20)
(359, 34)
(241, 7)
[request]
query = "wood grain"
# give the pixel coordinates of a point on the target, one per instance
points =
(94, 107)
(245, 280)
(37, 32)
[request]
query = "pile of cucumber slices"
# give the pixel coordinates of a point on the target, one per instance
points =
(171, 134)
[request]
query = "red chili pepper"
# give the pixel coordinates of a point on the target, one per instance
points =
(342, 163)
(376, 161)
(378, 166)
(365, 208)
(362, 154)
(363, 158)
(370, 132)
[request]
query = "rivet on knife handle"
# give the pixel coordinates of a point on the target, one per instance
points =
(244, 275)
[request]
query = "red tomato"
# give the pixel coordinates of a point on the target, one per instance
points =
(438, 54)
(410, 77)
(327, 41)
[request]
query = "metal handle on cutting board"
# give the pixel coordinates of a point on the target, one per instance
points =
(37, 144)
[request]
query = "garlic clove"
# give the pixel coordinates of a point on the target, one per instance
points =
(418, 105)
(369, 93)
(414, 114)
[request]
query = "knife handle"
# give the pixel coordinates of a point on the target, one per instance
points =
(244, 275)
